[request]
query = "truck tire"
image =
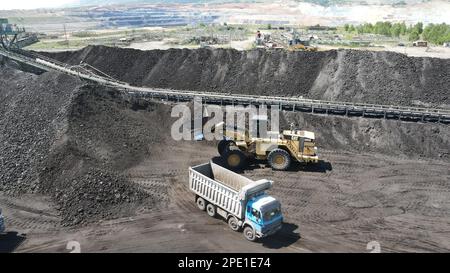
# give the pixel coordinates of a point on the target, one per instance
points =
(249, 234)
(211, 210)
(235, 159)
(279, 160)
(233, 223)
(201, 203)
(223, 146)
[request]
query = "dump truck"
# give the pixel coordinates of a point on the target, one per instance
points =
(239, 147)
(242, 202)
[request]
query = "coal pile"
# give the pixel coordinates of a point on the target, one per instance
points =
(72, 141)
(32, 113)
(380, 136)
(343, 75)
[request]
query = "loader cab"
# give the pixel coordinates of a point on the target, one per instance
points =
(304, 141)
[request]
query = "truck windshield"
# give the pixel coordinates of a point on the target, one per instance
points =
(272, 213)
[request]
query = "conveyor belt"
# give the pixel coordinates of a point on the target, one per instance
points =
(285, 103)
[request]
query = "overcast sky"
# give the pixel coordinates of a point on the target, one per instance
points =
(33, 4)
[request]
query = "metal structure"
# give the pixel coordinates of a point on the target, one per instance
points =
(9, 34)
(406, 113)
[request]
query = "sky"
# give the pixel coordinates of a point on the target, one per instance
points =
(33, 4)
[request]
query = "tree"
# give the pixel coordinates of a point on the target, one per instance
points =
(346, 27)
(433, 33)
(437, 33)
(396, 30)
(360, 29)
(351, 28)
(383, 28)
(414, 35)
(419, 27)
(403, 28)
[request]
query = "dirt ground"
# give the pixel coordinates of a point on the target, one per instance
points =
(340, 206)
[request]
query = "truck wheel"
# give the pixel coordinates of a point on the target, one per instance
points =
(249, 234)
(235, 159)
(211, 210)
(279, 159)
(201, 203)
(233, 223)
(223, 146)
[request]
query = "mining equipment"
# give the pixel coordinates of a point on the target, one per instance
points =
(239, 147)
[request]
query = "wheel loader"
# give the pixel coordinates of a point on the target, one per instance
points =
(238, 148)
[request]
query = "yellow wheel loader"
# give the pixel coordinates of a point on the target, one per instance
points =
(279, 149)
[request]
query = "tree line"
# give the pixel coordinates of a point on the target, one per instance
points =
(433, 33)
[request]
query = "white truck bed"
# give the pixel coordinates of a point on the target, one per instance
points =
(224, 188)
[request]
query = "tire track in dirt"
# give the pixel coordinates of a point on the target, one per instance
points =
(20, 215)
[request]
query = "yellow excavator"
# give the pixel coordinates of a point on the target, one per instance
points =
(278, 149)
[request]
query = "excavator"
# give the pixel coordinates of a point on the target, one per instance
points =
(238, 147)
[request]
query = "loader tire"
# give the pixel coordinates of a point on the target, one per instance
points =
(223, 146)
(279, 160)
(235, 159)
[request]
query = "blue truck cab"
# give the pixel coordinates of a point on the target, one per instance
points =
(263, 214)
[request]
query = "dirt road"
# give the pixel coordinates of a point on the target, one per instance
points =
(339, 206)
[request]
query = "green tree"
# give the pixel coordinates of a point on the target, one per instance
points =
(368, 28)
(360, 29)
(396, 30)
(403, 28)
(346, 27)
(437, 33)
(351, 28)
(414, 35)
(433, 33)
(383, 28)
(419, 27)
